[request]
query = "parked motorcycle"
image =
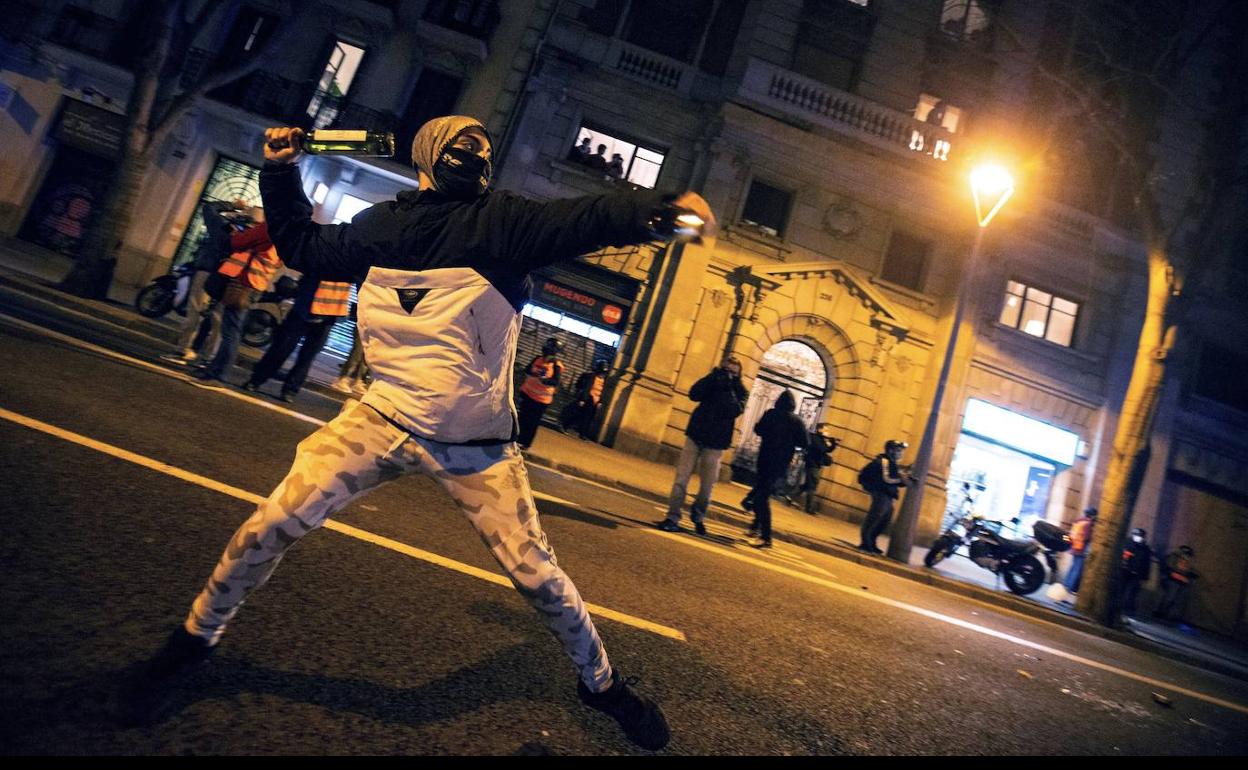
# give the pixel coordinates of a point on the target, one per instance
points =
(268, 311)
(166, 293)
(1014, 560)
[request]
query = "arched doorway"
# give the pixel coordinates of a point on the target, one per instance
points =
(787, 364)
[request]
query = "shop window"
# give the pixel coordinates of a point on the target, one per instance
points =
(1039, 313)
(637, 163)
(905, 263)
(334, 83)
(767, 208)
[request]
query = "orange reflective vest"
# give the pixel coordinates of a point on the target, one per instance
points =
(542, 368)
(1081, 535)
(332, 298)
(252, 260)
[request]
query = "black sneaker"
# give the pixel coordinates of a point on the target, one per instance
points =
(667, 525)
(699, 527)
(641, 718)
(145, 698)
(287, 397)
(250, 386)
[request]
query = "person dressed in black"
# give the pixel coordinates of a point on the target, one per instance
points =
(720, 399)
(818, 456)
(1137, 566)
(882, 479)
(444, 273)
(318, 304)
(579, 414)
(537, 390)
(782, 434)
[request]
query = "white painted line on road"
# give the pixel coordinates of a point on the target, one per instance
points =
(156, 368)
(684, 540)
(553, 499)
(343, 529)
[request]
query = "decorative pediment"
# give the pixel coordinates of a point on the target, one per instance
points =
(885, 315)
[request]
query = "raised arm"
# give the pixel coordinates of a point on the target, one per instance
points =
(330, 252)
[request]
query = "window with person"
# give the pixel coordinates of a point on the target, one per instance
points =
(1039, 313)
(767, 208)
(598, 150)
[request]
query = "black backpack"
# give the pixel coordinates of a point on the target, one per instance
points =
(869, 476)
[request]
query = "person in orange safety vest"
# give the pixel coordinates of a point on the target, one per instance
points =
(537, 391)
(251, 266)
(317, 306)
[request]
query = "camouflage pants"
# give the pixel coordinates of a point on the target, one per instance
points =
(359, 451)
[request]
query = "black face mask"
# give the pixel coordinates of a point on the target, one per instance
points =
(461, 174)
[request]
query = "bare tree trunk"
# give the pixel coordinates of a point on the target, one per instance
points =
(1098, 597)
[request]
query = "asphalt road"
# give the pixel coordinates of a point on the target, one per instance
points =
(360, 647)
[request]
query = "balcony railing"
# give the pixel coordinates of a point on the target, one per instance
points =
(801, 97)
(269, 95)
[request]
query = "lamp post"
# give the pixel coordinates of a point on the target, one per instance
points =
(991, 187)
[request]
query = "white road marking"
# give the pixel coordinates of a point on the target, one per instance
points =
(692, 543)
(344, 529)
(156, 368)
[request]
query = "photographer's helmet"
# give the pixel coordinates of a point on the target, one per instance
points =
(1139, 532)
(892, 444)
(553, 346)
(601, 366)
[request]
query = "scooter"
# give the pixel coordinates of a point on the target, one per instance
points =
(1014, 560)
(166, 293)
(268, 312)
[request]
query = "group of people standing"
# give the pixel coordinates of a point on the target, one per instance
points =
(235, 264)
(1136, 568)
(541, 381)
(586, 154)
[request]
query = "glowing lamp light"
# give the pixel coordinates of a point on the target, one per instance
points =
(991, 187)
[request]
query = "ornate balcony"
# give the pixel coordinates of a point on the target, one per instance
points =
(782, 91)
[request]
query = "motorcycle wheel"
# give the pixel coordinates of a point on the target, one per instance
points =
(1024, 575)
(941, 549)
(258, 328)
(153, 301)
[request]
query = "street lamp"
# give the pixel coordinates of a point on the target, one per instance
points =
(991, 187)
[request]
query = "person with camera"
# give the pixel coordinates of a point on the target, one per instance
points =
(817, 457)
(579, 414)
(720, 399)
(221, 219)
(444, 274)
(247, 272)
(882, 478)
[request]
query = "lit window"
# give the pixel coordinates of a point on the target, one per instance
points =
(319, 192)
(348, 207)
(636, 163)
(936, 111)
(1039, 313)
(335, 81)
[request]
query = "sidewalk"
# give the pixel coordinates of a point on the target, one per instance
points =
(27, 277)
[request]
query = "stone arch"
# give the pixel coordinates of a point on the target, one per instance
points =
(845, 405)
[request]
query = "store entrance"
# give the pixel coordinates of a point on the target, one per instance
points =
(69, 200)
(999, 484)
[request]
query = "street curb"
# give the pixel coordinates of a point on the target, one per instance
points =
(35, 295)
(1016, 604)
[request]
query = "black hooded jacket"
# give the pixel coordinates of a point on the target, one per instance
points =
(782, 433)
(721, 399)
